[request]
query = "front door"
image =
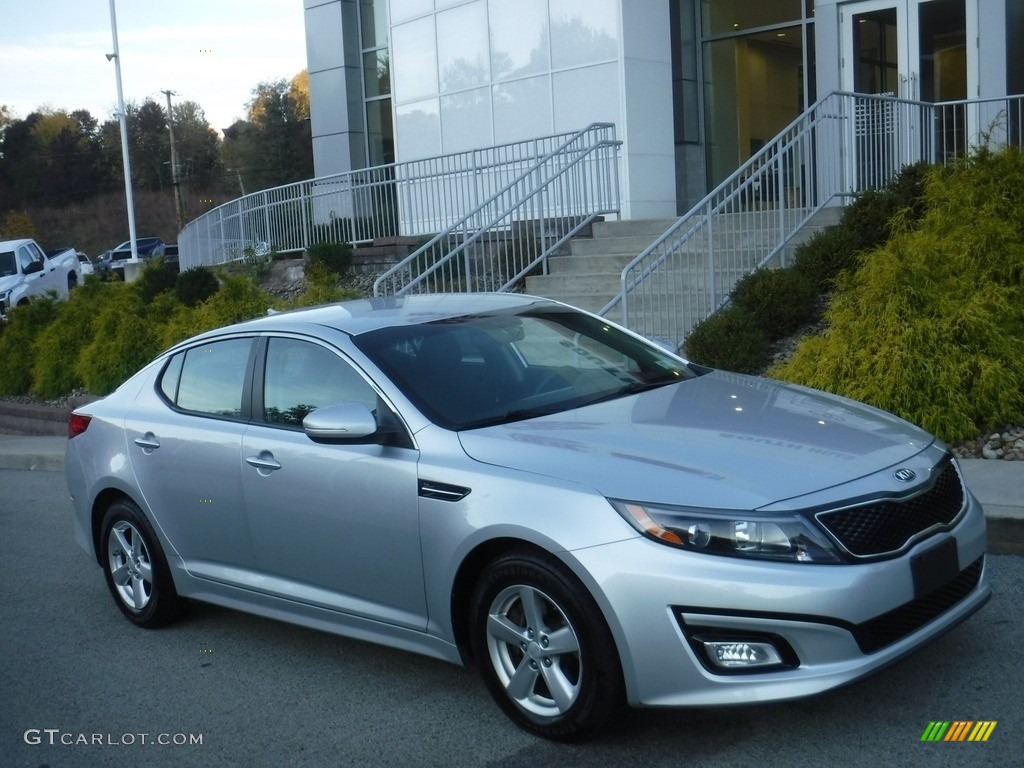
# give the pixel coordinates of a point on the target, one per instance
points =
(915, 50)
(332, 525)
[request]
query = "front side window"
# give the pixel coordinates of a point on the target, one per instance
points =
(25, 259)
(300, 376)
(208, 379)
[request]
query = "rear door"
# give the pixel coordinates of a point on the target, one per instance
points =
(184, 440)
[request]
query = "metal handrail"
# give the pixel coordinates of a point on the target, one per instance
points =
(519, 202)
(842, 145)
(413, 199)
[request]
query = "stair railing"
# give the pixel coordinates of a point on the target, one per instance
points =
(842, 145)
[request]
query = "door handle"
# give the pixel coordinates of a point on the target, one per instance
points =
(148, 443)
(264, 462)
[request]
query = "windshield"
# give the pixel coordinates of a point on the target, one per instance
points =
(482, 370)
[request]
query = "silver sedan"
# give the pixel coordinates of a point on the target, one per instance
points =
(511, 482)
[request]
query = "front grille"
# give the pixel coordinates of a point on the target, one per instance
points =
(888, 526)
(886, 629)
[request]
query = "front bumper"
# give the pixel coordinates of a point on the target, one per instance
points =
(842, 622)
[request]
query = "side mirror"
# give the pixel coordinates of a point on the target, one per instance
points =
(345, 421)
(32, 267)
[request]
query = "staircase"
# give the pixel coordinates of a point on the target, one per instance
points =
(590, 275)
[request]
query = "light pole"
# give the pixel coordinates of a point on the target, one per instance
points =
(116, 58)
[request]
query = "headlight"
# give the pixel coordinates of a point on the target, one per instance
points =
(788, 538)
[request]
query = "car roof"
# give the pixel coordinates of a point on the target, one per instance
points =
(365, 315)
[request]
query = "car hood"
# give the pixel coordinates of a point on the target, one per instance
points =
(720, 441)
(9, 281)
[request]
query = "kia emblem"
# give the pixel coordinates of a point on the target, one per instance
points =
(904, 475)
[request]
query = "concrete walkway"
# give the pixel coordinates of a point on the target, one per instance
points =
(999, 485)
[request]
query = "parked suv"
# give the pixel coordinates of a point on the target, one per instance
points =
(147, 247)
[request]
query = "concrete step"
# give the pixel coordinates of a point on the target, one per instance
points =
(602, 245)
(650, 228)
(556, 286)
(608, 263)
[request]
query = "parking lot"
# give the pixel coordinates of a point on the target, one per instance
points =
(81, 687)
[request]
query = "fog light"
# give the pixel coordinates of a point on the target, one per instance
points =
(746, 655)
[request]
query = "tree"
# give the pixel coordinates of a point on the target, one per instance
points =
(51, 157)
(198, 146)
(273, 145)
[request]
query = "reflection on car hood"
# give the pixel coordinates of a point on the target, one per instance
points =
(718, 441)
(9, 281)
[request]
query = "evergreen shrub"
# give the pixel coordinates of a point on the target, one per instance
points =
(781, 300)
(196, 285)
(156, 277)
(335, 257)
(931, 325)
(729, 339)
(23, 326)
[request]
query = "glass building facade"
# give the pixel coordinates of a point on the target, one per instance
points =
(695, 87)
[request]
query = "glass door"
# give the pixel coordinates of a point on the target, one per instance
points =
(876, 49)
(915, 50)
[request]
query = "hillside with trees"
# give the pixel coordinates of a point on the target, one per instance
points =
(62, 177)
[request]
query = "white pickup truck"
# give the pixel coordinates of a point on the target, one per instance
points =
(26, 270)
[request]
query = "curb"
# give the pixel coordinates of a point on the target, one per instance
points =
(39, 419)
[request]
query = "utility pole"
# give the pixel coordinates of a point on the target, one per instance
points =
(179, 210)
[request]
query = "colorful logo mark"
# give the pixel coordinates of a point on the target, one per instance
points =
(959, 730)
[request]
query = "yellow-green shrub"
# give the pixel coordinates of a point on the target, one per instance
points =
(931, 326)
(23, 326)
(123, 341)
(56, 349)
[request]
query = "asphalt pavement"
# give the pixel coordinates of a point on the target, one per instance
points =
(998, 484)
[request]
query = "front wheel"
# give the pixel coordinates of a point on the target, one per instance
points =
(545, 651)
(136, 569)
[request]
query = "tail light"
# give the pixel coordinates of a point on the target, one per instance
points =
(77, 424)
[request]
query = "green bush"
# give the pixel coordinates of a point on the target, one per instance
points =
(123, 341)
(24, 324)
(238, 299)
(321, 287)
(824, 257)
(729, 339)
(156, 277)
(196, 285)
(334, 257)
(56, 349)
(877, 214)
(781, 300)
(931, 326)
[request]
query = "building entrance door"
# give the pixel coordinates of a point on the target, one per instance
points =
(915, 50)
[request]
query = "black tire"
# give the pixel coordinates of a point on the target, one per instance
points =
(136, 569)
(72, 281)
(560, 679)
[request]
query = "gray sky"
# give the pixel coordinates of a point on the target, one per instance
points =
(209, 51)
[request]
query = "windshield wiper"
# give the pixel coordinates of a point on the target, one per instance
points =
(629, 389)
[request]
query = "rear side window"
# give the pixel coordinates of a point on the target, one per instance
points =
(209, 379)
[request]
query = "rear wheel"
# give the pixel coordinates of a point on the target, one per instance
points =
(135, 568)
(545, 651)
